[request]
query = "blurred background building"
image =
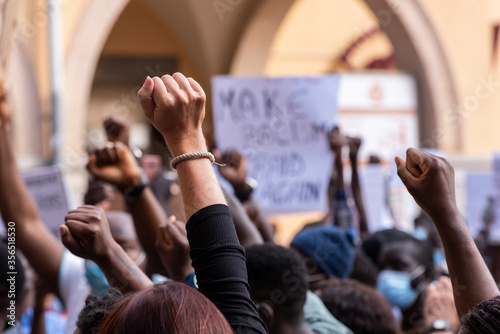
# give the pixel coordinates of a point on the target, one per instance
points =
(107, 48)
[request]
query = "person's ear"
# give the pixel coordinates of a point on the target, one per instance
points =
(266, 312)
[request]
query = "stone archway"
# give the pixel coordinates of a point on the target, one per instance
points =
(417, 51)
(81, 61)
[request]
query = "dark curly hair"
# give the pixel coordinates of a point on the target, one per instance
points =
(278, 275)
(364, 270)
(483, 319)
(96, 309)
(359, 307)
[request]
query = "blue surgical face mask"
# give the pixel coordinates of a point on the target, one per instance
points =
(439, 257)
(396, 287)
(96, 278)
(420, 233)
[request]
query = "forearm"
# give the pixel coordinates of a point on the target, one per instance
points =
(339, 170)
(219, 263)
(16, 202)
(358, 198)
(470, 277)
(247, 232)
(148, 215)
(257, 216)
(121, 272)
(199, 185)
(16, 205)
(38, 324)
(265, 228)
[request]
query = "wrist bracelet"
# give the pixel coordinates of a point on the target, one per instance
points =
(133, 192)
(194, 155)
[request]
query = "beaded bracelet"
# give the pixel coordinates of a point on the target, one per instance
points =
(194, 155)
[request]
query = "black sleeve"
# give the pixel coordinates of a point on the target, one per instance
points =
(220, 267)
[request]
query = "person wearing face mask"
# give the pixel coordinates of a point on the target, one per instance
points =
(407, 268)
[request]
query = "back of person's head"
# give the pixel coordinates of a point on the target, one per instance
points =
(168, 307)
(95, 311)
(364, 270)
(483, 319)
(407, 255)
(373, 244)
(277, 282)
(359, 307)
(328, 247)
(11, 286)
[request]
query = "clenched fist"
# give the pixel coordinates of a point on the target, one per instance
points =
(86, 233)
(173, 247)
(115, 164)
(117, 129)
(175, 105)
(235, 171)
(430, 180)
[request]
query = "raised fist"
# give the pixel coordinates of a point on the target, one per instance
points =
(430, 180)
(86, 233)
(439, 303)
(115, 164)
(175, 105)
(173, 248)
(235, 171)
(354, 145)
(117, 129)
(336, 139)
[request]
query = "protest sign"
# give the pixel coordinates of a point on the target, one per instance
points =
(495, 226)
(46, 186)
(280, 125)
(374, 188)
(479, 187)
(381, 109)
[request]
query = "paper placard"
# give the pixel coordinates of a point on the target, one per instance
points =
(374, 187)
(479, 186)
(281, 126)
(47, 187)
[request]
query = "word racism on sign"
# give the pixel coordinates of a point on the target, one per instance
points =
(280, 125)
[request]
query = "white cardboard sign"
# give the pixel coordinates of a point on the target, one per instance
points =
(281, 126)
(46, 186)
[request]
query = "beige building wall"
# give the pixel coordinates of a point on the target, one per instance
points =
(206, 40)
(315, 33)
(139, 32)
(466, 31)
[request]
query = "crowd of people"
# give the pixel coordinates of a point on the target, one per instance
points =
(215, 268)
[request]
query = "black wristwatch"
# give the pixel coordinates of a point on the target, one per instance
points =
(440, 325)
(134, 192)
(251, 186)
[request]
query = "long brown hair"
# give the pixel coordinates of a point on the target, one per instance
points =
(166, 308)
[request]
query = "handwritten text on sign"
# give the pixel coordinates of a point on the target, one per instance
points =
(47, 187)
(281, 126)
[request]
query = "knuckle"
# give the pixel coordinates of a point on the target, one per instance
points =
(182, 99)
(94, 230)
